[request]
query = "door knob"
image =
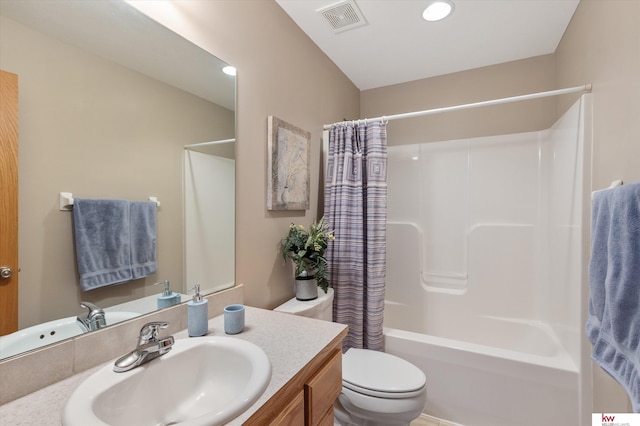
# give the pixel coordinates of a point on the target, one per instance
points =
(5, 272)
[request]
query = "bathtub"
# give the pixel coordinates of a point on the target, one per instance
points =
(486, 359)
(517, 374)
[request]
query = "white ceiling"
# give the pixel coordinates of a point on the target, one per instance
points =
(397, 45)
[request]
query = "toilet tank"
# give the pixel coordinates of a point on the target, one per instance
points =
(320, 308)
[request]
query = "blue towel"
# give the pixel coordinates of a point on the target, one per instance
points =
(143, 238)
(115, 241)
(613, 326)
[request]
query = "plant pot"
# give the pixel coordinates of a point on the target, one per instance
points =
(306, 288)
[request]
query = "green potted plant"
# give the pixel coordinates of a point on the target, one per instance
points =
(306, 247)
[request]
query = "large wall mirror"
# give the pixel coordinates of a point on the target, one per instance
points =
(114, 105)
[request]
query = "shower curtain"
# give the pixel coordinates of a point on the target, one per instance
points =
(356, 209)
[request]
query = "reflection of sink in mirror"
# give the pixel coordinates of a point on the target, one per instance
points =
(50, 332)
(200, 381)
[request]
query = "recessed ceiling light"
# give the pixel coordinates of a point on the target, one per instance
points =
(437, 10)
(229, 70)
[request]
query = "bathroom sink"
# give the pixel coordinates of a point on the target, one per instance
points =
(50, 332)
(201, 381)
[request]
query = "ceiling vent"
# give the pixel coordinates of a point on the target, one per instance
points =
(343, 16)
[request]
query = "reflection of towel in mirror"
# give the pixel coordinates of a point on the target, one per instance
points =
(143, 238)
(613, 325)
(108, 233)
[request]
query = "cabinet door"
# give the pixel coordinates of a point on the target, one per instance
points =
(322, 390)
(293, 414)
(328, 419)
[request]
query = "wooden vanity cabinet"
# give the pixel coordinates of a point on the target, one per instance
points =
(307, 399)
(321, 391)
(293, 413)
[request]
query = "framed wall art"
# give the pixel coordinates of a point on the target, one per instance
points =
(289, 157)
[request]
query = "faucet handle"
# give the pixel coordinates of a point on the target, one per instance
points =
(149, 332)
(90, 306)
(93, 319)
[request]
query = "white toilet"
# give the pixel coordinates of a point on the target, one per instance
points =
(377, 388)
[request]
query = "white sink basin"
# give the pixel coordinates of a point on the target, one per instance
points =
(201, 381)
(50, 332)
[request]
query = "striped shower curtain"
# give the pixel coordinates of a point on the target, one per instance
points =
(356, 209)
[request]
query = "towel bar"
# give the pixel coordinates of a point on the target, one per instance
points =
(66, 201)
(613, 185)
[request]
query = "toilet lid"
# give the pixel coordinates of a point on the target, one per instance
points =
(375, 373)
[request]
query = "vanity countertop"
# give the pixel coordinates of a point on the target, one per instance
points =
(289, 341)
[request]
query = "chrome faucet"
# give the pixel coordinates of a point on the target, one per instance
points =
(149, 347)
(92, 320)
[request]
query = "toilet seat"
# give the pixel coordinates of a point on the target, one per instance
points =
(381, 375)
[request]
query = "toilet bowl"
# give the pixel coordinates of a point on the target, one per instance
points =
(377, 388)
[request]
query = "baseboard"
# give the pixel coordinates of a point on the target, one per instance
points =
(427, 420)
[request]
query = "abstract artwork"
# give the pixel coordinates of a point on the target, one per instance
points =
(288, 173)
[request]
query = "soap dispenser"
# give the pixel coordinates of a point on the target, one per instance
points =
(167, 297)
(197, 314)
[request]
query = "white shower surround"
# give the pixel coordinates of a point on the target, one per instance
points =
(484, 270)
(209, 200)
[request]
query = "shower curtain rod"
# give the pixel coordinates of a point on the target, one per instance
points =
(196, 145)
(584, 88)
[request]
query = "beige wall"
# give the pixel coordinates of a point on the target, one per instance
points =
(602, 46)
(493, 82)
(281, 73)
(99, 130)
